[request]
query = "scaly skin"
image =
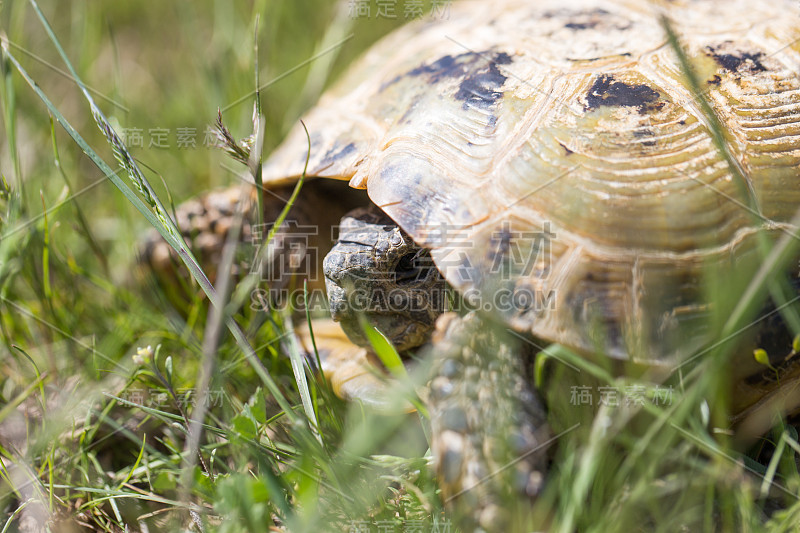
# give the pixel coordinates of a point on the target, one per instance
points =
(488, 426)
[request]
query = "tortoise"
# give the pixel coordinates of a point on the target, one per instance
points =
(550, 164)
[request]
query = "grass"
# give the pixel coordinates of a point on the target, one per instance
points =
(118, 413)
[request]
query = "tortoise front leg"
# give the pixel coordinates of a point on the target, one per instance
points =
(488, 425)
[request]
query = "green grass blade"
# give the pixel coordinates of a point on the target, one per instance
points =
(384, 349)
(162, 223)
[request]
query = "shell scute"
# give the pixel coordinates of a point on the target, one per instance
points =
(576, 114)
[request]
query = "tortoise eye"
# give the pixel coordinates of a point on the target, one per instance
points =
(413, 266)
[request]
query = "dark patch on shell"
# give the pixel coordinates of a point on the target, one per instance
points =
(607, 92)
(590, 59)
(500, 243)
(589, 19)
(581, 26)
(567, 150)
(481, 88)
(737, 61)
(444, 67)
(480, 76)
(336, 153)
(643, 133)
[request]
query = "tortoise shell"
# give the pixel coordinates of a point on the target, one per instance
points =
(554, 159)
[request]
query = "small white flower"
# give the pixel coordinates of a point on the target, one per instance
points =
(143, 355)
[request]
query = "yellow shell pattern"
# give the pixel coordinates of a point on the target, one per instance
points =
(553, 157)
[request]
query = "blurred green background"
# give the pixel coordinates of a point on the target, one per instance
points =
(160, 71)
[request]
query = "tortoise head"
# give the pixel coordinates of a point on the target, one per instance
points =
(376, 271)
